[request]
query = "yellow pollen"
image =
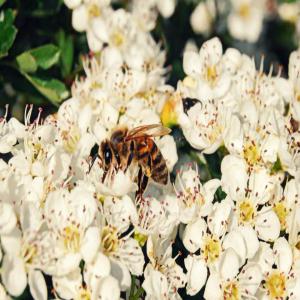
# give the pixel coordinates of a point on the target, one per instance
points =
(28, 253)
(38, 152)
(231, 291)
(71, 238)
(168, 114)
(109, 239)
(94, 11)
(189, 82)
(141, 238)
(71, 139)
(251, 153)
(281, 212)
(275, 284)
(117, 38)
(211, 74)
(246, 211)
(244, 10)
(212, 249)
(84, 294)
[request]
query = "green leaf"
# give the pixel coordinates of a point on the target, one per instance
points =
(52, 89)
(2, 2)
(27, 62)
(66, 47)
(7, 31)
(44, 57)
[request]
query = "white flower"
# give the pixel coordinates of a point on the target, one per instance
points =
(96, 282)
(203, 16)
(206, 79)
(248, 202)
(194, 198)
(163, 276)
(246, 19)
(90, 16)
(279, 281)
(69, 217)
(232, 284)
(294, 79)
(205, 125)
(21, 263)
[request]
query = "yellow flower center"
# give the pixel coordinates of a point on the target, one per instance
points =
(212, 249)
(28, 252)
(109, 239)
(94, 10)
(141, 238)
(231, 291)
(38, 152)
(168, 114)
(211, 74)
(117, 38)
(281, 212)
(251, 153)
(71, 238)
(275, 284)
(71, 139)
(84, 294)
(244, 10)
(246, 211)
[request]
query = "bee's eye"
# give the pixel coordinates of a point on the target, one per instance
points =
(107, 155)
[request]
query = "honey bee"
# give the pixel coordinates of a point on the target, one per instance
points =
(135, 146)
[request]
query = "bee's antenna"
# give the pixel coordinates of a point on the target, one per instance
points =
(92, 162)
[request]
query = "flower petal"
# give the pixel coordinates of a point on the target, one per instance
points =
(13, 275)
(37, 285)
(196, 274)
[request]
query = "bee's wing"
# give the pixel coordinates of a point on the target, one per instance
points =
(147, 130)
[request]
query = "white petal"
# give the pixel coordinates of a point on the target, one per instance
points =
(8, 219)
(98, 269)
(267, 224)
(218, 219)
(193, 235)
(283, 255)
(108, 289)
(166, 7)
(132, 256)
(90, 244)
(196, 274)
(37, 285)
(191, 63)
(72, 3)
(80, 18)
(251, 240)
(95, 44)
(264, 257)
(250, 278)
(229, 264)
(121, 273)
(235, 240)
(100, 29)
(68, 286)
(213, 287)
(11, 243)
(234, 176)
(211, 51)
(13, 275)
(155, 283)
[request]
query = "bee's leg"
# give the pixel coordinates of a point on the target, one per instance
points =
(142, 184)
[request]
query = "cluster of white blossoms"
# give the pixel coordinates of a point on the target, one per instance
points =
(70, 229)
(244, 18)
